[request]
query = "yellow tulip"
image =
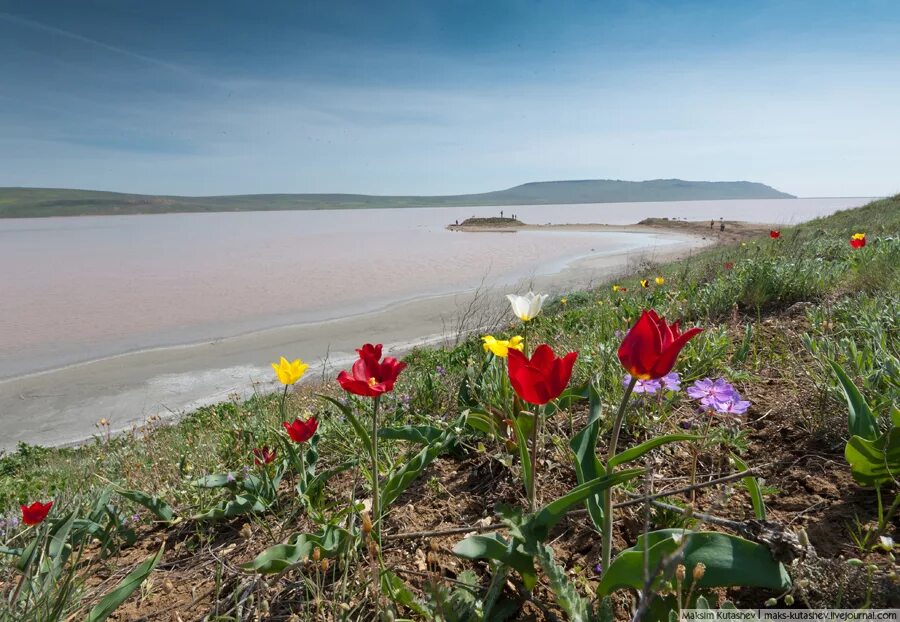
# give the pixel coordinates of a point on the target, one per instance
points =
(500, 347)
(289, 372)
(616, 288)
(660, 280)
(564, 301)
(645, 283)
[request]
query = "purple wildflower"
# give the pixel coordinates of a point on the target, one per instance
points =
(598, 568)
(709, 391)
(687, 424)
(733, 406)
(642, 386)
(671, 381)
(230, 477)
(440, 370)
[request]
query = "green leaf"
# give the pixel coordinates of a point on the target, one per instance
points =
(400, 479)
(493, 547)
(400, 594)
(8, 551)
(322, 478)
(542, 521)
(160, 509)
(522, 445)
(420, 434)
(860, 418)
(241, 504)
(730, 561)
(124, 589)
(639, 450)
(587, 465)
(874, 463)
(218, 480)
(756, 498)
(577, 608)
(360, 430)
(277, 558)
(568, 398)
(481, 421)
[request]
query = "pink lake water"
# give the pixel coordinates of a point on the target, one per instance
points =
(78, 289)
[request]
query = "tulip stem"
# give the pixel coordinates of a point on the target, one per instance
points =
(535, 439)
(606, 552)
(376, 506)
(283, 397)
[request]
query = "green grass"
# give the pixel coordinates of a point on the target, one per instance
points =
(851, 315)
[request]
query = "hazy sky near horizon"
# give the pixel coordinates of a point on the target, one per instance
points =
(422, 97)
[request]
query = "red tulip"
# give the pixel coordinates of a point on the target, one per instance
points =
(542, 378)
(729, 265)
(774, 234)
(858, 240)
(264, 455)
(370, 376)
(651, 346)
(301, 431)
(35, 513)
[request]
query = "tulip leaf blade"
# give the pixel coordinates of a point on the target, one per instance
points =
(542, 521)
(756, 497)
(400, 479)
(494, 547)
(633, 453)
(280, 557)
(124, 589)
(482, 422)
(420, 434)
(404, 476)
(358, 427)
(216, 480)
(587, 465)
(861, 421)
(522, 445)
(729, 561)
(159, 508)
(874, 463)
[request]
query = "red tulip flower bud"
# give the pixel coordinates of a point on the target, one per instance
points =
(543, 377)
(35, 513)
(370, 376)
(650, 348)
(301, 431)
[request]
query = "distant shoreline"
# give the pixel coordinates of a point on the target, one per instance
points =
(735, 230)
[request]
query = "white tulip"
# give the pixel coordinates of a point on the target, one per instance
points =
(528, 306)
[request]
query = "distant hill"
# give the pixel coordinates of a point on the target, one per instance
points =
(38, 202)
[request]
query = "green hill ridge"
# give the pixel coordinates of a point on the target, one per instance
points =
(42, 202)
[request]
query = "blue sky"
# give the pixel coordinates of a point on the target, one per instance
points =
(440, 97)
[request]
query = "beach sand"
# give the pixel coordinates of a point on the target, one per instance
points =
(62, 406)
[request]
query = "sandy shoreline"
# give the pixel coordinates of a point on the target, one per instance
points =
(62, 406)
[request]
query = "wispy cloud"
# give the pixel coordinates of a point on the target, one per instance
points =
(74, 36)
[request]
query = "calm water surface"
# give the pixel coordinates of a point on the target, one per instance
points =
(76, 289)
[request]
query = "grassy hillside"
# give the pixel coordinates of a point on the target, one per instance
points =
(775, 313)
(41, 202)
